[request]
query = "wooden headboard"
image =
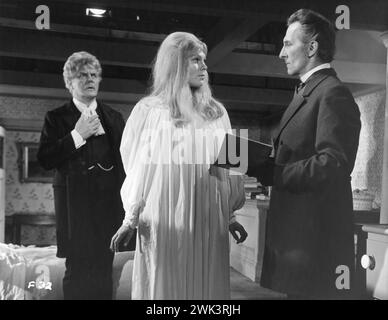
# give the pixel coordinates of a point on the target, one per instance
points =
(31, 229)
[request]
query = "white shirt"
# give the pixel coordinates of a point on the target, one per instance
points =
(88, 111)
(313, 70)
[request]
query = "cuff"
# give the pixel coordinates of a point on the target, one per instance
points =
(132, 219)
(232, 219)
(130, 223)
(77, 138)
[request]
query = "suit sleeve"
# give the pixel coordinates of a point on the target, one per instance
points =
(236, 195)
(54, 149)
(120, 125)
(336, 143)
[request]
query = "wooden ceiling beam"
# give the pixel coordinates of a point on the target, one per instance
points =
(54, 93)
(229, 40)
(39, 79)
(365, 15)
(228, 94)
(50, 46)
(46, 46)
(276, 97)
(84, 30)
(272, 66)
(244, 9)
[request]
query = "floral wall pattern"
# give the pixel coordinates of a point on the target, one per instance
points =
(36, 108)
(367, 171)
(24, 197)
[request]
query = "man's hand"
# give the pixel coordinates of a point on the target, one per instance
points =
(124, 233)
(87, 126)
(237, 227)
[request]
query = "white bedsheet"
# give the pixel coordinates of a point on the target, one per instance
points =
(28, 273)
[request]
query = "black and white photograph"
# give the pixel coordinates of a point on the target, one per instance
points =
(193, 155)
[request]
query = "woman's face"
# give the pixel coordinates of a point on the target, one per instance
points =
(197, 70)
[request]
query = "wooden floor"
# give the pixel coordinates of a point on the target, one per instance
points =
(244, 288)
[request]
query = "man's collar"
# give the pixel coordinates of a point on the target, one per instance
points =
(308, 74)
(81, 106)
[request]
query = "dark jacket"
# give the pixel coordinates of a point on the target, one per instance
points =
(57, 151)
(309, 233)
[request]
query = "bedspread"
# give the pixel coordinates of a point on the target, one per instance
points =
(35, 273)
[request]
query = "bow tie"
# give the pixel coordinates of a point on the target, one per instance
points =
(300, 86)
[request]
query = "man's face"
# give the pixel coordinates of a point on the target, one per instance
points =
(197, 72)
(295, 51)
(85, 84)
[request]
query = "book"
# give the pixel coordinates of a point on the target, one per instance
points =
(242, 154)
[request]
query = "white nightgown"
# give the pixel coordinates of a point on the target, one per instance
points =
(182, 212)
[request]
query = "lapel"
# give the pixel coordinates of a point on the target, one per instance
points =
(300, 100)
(107, 121)
(71, 116)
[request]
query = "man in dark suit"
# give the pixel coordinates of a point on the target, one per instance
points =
(309, 249)
(81, 141)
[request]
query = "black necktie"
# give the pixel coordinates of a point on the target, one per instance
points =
(299, 87)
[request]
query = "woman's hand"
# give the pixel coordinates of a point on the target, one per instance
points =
(124, 233)
(235, 228)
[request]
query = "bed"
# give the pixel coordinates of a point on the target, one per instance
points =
(35, 273)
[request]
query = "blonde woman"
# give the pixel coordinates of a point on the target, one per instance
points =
(182, 206)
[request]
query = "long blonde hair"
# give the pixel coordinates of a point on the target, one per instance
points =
(170, 76)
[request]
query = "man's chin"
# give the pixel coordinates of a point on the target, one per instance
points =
(91, 95)
(291, 72)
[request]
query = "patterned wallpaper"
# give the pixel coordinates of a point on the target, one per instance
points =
(26, 108)
(24, 197)
(38, 235)
(367, 171)
(36, 108)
